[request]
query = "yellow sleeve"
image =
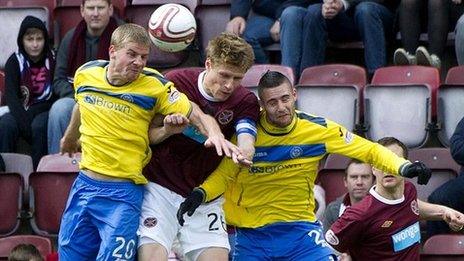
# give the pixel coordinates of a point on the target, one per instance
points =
(216, 184)
(173, 101)
(340, 141)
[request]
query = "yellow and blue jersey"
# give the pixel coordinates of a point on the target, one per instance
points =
(115, 119)
(279, 185)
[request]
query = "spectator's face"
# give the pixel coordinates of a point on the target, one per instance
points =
(33, 43)
(359, 180)
(387, 180)
(129, 61)
(279, 104)
(96, 14)
(222, 80)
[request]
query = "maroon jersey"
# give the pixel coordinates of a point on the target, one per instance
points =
(181, 162)
(379, 229)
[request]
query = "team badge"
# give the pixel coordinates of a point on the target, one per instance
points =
(150, 222)
(174, 96)
(127, 97)
(415, 207)
(296, 152)
(225, 117)
(331, 238)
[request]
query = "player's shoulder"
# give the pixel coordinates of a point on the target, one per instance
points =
(152, 74)
(361, 210)
(312, 119)
(92, 65)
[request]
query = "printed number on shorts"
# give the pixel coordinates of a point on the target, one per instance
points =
(124, 251)
(318, 239)
(216, 221)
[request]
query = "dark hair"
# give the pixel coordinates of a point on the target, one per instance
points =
(271, 79)
(25, 252)
(387, 141)
(352, 161)
(108, 1)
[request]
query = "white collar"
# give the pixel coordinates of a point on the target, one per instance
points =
(385, 200)
(201, 87)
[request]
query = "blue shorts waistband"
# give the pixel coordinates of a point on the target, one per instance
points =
(108, 184)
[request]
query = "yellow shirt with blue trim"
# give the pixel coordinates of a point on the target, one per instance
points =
(279, 185)
(115, 119)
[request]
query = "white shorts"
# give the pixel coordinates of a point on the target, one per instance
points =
(158, 222)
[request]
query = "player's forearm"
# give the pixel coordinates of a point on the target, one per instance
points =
(214, 186)
(157, 135)
(72, 132)
(428, 211)
(206, 124)
(246, 143)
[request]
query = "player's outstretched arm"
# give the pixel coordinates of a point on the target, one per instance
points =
(70, 142)
(208, 126)
(429, 211)
(190, 204)
(416, 169)
(162, 127)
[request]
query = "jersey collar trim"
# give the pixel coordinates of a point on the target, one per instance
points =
(385, 200)
(201, 87)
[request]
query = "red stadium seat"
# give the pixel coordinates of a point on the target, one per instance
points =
(49, 189)
(43, 244)
(139, 12)
(65, 18)
(455, 75)
(18, 163)
(2, 88)
(331, 176)
(443, 248)
(333, 91)
(398, 103)
(450, 110)
(443, 167)
(11, 192)
(212, 17)
(253, 75)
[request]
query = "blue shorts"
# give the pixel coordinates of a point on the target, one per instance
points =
(100, 220)
(299, 241)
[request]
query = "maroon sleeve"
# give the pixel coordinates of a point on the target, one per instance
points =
(249, 108)
(346, 230)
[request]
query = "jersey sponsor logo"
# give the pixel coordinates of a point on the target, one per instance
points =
(150, 222)
(101, 102)
(271, 169)
(387, 223)
(225, 117)
(415, 207)
(331, 238)
(406, 237)
(173, 96)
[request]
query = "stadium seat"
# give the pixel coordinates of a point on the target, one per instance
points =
(2, 88)
(11, 195)
(330, 176)
(212, 17)
(443, 248)
(443, 167)
(43, 244)
(66, 15)
(11, 20)
(49, 189)
(139, 12)
(333, 91)
(398, 103)
(450, 110)
(455, 75)
(253, 75)
(18, 163)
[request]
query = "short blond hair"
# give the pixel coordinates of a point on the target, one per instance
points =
(229, 49)
(130, 33)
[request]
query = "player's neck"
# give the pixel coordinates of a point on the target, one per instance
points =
(391, 193)
(113, 77)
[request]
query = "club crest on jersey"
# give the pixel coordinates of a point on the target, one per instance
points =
(296, 152)
(331, 238)
(415, 207)
(173, 96)
(225, 117)
(127, 97)
(150, 222)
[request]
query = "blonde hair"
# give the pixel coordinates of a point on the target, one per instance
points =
(130, 33)
(229, 49)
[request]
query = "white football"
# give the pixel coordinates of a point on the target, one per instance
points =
(172, 27)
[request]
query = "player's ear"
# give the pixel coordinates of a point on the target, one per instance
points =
(208, 64)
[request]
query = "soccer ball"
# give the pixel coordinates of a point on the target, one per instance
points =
(172, 27)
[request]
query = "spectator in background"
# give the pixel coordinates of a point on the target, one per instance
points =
(439, 16)
(28, 83)
(450, 194)
(304, 32)
(459, 40)
(384, 225)
(358, 180)
(263, 27)
(25, 252)
(89, 40)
